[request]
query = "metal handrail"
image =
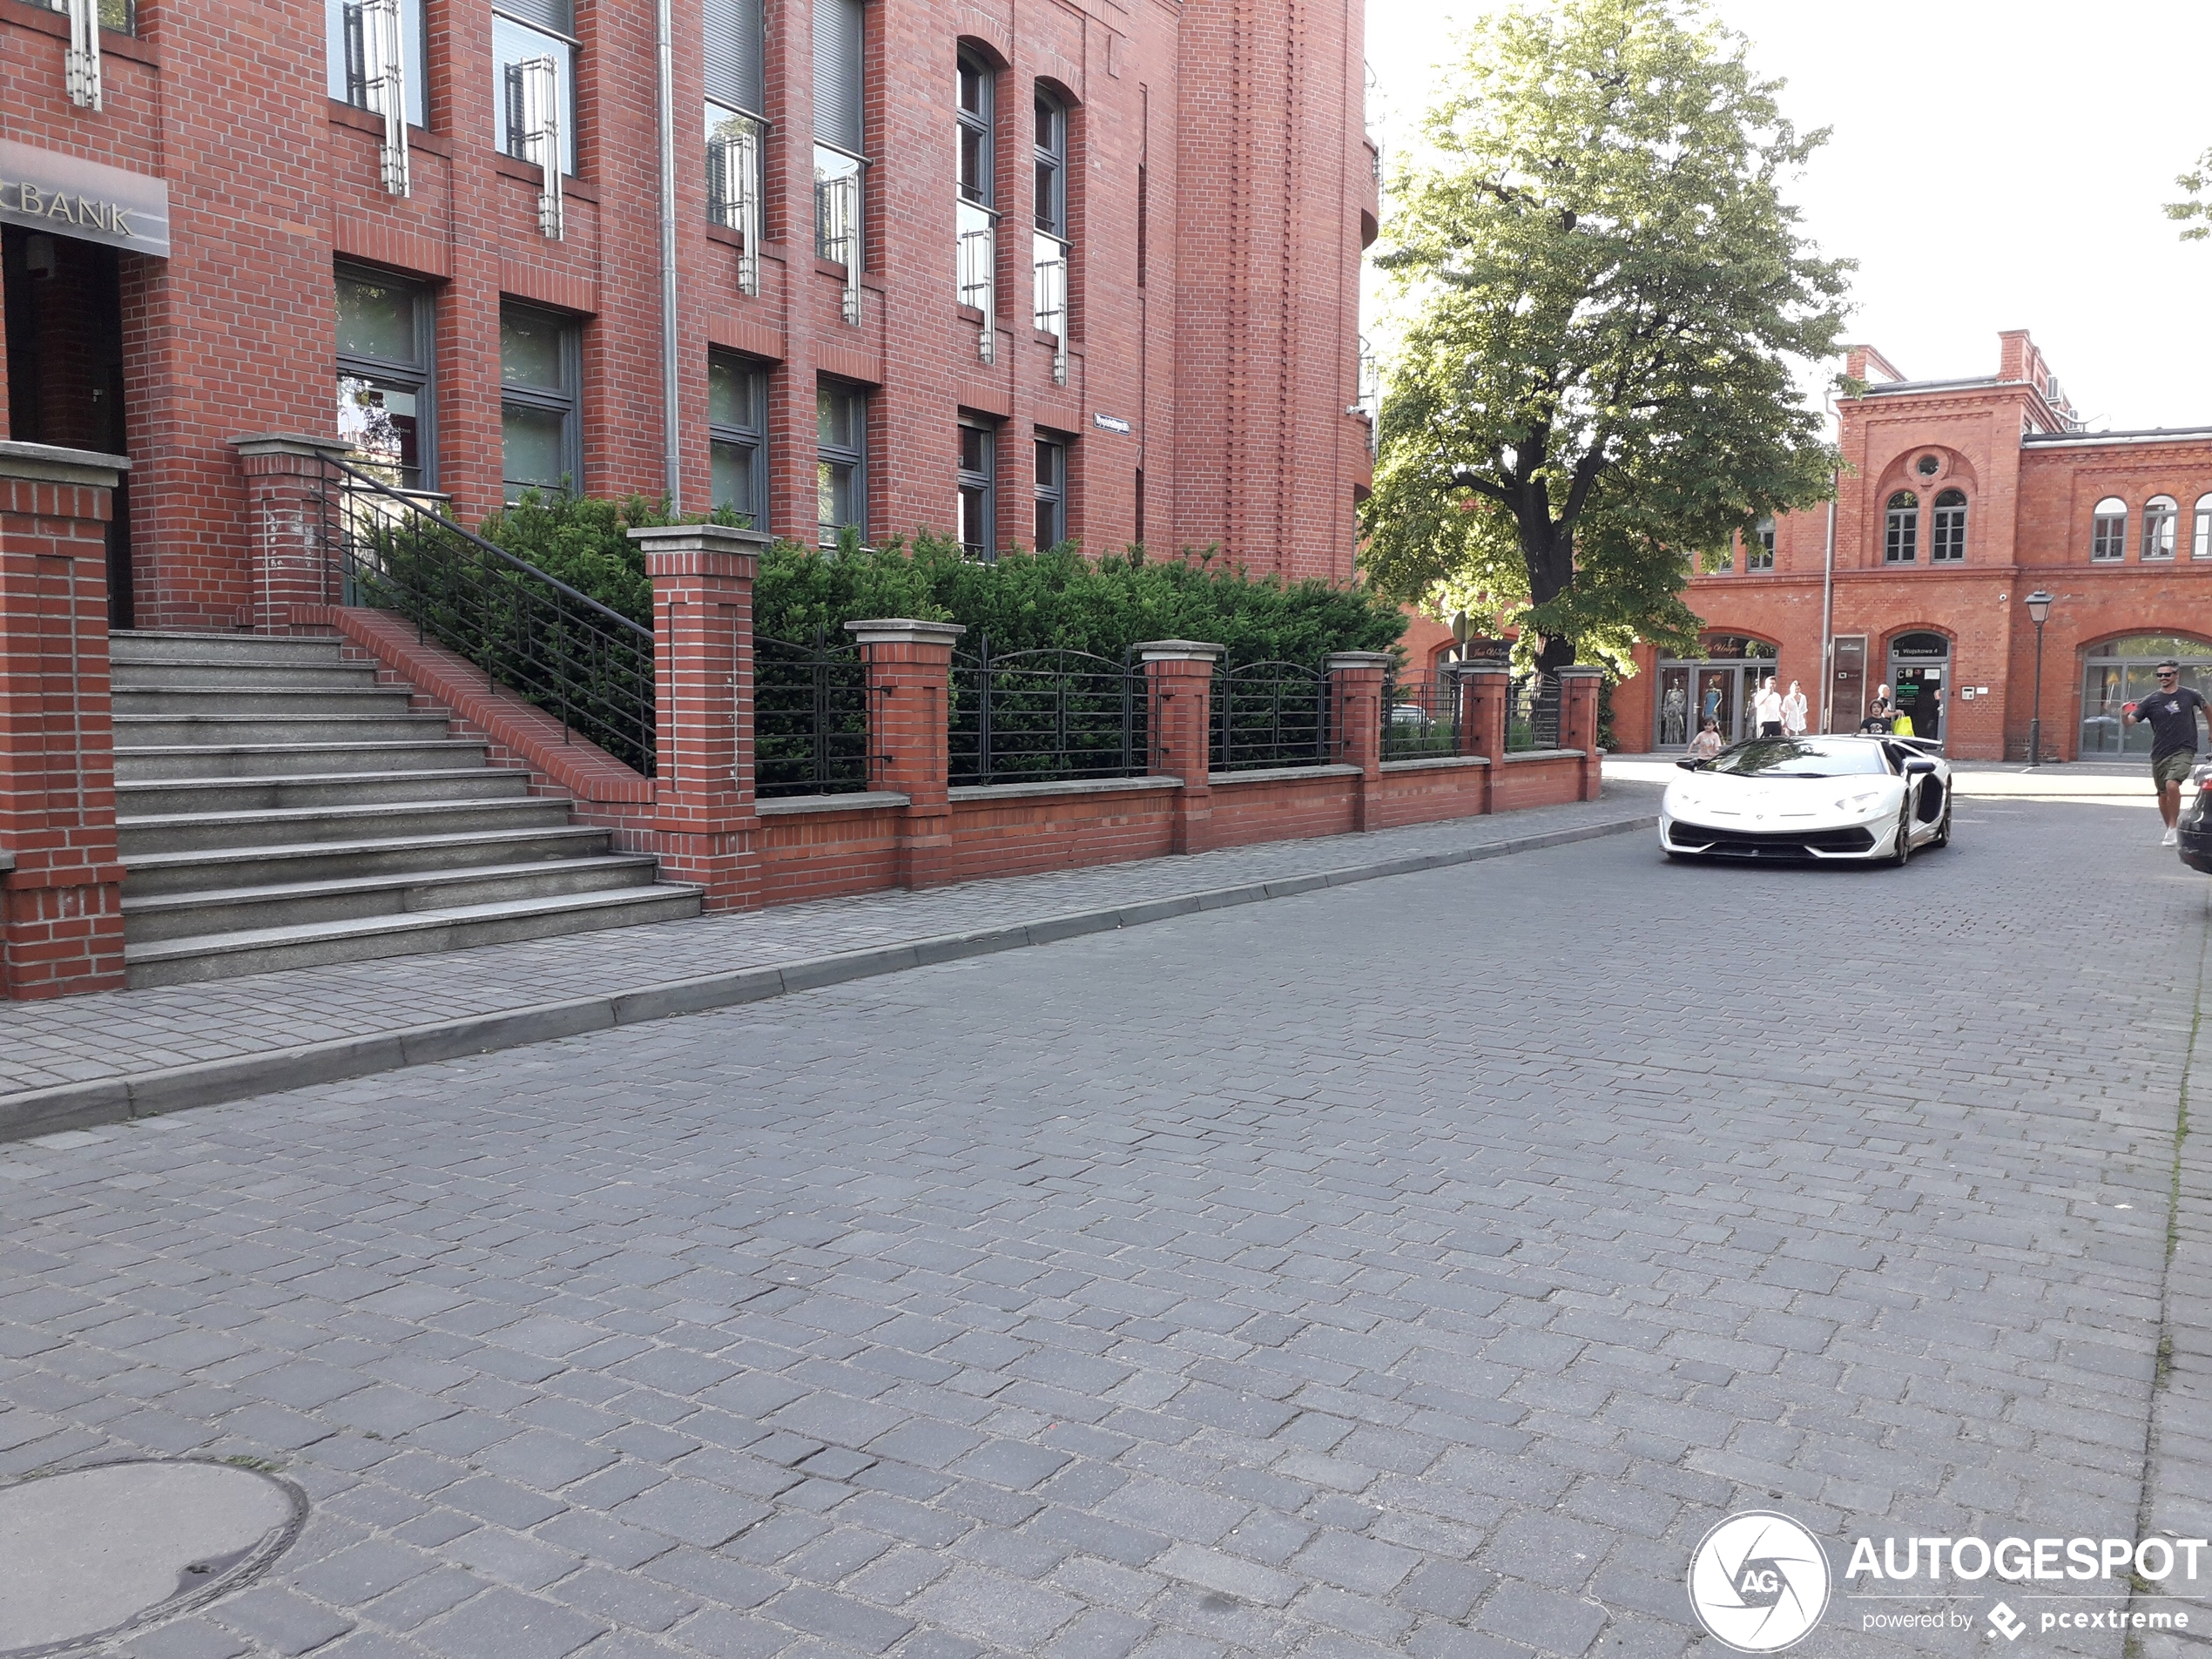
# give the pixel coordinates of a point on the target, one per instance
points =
(526, 628)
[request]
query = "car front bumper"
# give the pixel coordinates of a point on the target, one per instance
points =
(1804, 845)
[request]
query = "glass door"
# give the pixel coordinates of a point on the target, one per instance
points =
(1717, 699)
(1674, 707)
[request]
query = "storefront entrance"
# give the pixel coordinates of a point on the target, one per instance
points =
(1719, 688)
(1920, 681)
(2118, 672)
(65, 307)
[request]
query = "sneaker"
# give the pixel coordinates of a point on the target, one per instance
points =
(2172, 838)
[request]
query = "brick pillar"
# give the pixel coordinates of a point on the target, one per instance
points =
(1578, 690)
(1355, 715)
(287, 499)
(1179, 679)
(61, 882)
(1484, 692)
(910, 672)
(705, 827)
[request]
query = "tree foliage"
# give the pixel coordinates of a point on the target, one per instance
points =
(1607, 295)
(2196, 212)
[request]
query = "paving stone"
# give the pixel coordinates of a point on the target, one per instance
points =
(506, 1624)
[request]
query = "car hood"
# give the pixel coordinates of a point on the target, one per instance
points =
(1724, 794)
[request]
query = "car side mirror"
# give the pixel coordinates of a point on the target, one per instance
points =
(1689, 766)
(1920, 768)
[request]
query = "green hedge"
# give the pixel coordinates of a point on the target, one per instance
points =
(1025, 601)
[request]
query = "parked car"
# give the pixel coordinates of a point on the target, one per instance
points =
(1871, 799)
(2195, 824)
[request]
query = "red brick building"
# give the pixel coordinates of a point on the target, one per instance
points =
(1960, 497)
(1018, 269)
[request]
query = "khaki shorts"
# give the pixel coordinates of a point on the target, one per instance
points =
(2173, 769)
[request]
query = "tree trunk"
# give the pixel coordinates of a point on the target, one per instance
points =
(1548, 551)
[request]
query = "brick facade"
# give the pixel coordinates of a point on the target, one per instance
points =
(1231, 355)
(2031, 478)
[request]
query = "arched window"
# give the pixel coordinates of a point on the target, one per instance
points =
(1947, 544)
(1901, 538)
(976, 262)
(2159, 514)
(2109, 541)
(2201, 546)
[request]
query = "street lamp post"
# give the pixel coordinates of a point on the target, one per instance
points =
(2038, 611)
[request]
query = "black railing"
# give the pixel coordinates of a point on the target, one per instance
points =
(1270, 714)
(1420, 717)
(810, 718)
(1532, 713)
(588, 666)
(1046, 716)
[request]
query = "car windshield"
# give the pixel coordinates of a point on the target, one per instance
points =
(1799, 757)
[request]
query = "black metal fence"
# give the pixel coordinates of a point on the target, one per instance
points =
(1047, 717)
(809, 717)
(1420, 717)
(1532, 713)
(1270, 714)
(588, 666)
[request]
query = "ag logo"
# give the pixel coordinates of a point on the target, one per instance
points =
(1759, 1582)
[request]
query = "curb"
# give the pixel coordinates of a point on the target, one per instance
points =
(116, 1100)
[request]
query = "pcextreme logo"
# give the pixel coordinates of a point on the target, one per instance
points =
(1759, 1582)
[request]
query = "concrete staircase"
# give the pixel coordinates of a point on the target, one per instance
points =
(278, 808)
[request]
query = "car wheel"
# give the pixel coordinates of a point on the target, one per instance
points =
(1902, 853)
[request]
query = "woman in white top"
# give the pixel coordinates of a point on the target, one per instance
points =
(1793, 713)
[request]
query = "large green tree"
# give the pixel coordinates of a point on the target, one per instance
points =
(1606, 297)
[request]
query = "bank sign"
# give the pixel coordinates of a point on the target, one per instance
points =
(44, 190)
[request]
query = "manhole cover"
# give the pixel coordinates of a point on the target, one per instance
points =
(88, 1551)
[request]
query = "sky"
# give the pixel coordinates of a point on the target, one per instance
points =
(1992, 166)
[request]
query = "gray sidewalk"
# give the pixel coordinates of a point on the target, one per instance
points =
(104, 1058)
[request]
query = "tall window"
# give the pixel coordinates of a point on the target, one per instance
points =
(1948, 545)
(737, 430)
(1759, 549)
(734, 52)
(839, 132)
(2201, 544)
(524, 33)
(385, 328)
(1052, 493)
(352, 55)
(2161, 514)
(976, 259)
(841, 460)
(1901, 533)
(1051, 250)
(541, 365)
(978, 491)
(2108, 536)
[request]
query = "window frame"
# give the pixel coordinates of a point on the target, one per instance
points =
(827, 455)
(1050, 207)
(571, 51)
(1948, 527)
(2201, 540)
(982, 123)
(1758, 546)
(1052, 497)
(2108, 532)
(982, 485)
(1901, 529)
(567, 401)
(414, 33)
(421, 371)
(722, 434)
(2161, 529)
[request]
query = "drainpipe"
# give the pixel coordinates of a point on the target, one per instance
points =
(1827, 591)
(672, 404)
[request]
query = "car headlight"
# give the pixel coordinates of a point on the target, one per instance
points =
(1859, 802)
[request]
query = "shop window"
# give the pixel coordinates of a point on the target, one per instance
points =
(1948, 545)
(386, 386)
(1052, 493)
(541, 367)
(1901, 530)
(2160, 515)
(841, 461)
(737, 430)
(535, 37)
(978, 492)
(351, 52)
(1759, 548)
(2108, 536)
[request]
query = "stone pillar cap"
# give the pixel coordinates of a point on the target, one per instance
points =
(904, 630)
(1179, 650)
(1337, 659)
(1581, 671)
(290, 443)
(49, 463)
(724, 538)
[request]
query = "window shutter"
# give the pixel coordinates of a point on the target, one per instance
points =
(559, 16)
(837, 73)
(734, 53)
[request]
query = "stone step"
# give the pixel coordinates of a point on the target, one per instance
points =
(327, 792)
(297, 827)
(231, 910)
(192, 761)
(140, 644)
(226, 731)
(335, 860)
(210, 956)
(244, 674)
(296, 702)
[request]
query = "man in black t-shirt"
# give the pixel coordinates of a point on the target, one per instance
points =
(2171, 711)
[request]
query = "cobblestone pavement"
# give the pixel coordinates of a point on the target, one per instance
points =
(1414, 1268)
(126, 1033)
